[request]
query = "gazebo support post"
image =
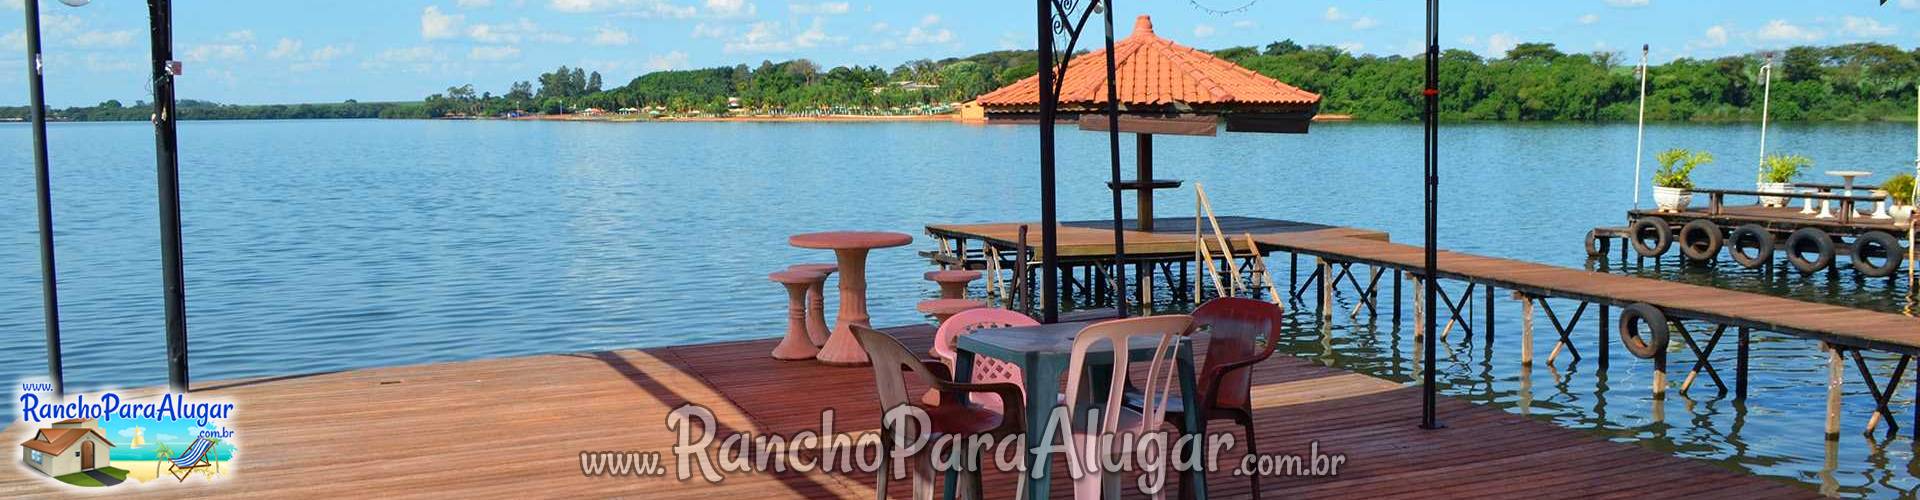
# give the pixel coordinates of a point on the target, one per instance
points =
(1143, 173)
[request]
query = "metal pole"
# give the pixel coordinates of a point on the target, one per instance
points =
(167, 162)
(1640, 136)
(1049, 222)
(1766, 99)
(43, 191)
(1430, 282)
(1113, 150)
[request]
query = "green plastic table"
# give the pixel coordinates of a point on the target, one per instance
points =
(1042, 353)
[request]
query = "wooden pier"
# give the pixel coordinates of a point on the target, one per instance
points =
(1755, 235)
(515, 428)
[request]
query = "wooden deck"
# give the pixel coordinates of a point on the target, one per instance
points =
(514, 428)
(1845, 326)
(1782, 218)
(1170, 235)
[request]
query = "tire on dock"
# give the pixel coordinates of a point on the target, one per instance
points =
(1598, 244)
(1808, 239)
(1654, 227)
(1700, 240)
(1867, 244)
(1750, 236)
(1639, 313)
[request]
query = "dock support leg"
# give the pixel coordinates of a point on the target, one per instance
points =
(1660, 375)
(1835, 376)
(1293, 272)
(1740, 368)
(1526, 328)
(1489, 299)
(1396, 299)
(1326, 291)
(1602, 348)
(1419, 311)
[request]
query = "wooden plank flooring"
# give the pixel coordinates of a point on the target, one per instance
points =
(514, 428)
(1170, 236)
(1843, 325)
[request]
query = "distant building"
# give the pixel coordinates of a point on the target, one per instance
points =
(70, 446)
(733, 103)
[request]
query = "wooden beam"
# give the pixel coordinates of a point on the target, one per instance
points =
(1187, 124)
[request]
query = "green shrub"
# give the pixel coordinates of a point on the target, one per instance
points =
(1784, 168)
(1676, 167)
(1899, 189)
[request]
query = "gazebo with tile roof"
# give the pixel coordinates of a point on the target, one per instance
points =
(1163, 88)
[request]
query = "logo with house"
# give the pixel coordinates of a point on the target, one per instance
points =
(74, 451)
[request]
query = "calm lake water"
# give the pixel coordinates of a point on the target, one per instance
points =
(330, 245)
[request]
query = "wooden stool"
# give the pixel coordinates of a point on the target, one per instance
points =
(941, 309)
(796, 346)
(953, 284)
(817, 330)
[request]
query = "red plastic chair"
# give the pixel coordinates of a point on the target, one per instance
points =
(950, 416)
(1235, 327)
(985, 369)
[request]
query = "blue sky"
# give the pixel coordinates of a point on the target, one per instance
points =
(314, 51)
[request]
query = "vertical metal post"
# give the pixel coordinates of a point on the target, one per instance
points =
(1603, 338)
(1430, 393)
(1113, 150)
(1740, 368)
(1049, 222)
(1489, 301)
(43, 196)
(167, 160)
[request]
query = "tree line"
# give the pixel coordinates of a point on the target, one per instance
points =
(190, 109)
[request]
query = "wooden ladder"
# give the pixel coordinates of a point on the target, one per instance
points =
(1205, 252)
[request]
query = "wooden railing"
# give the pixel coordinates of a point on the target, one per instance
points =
(1716, 199)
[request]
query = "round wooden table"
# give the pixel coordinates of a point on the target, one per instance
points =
(850, 249)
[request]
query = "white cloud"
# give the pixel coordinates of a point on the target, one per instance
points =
(704, 30)
(1203, 31)
(1716, 36)
(605, 35)
(822, 8)
(435, 25)
(287, 47)
(416, 54)
(1245, 24)
(1499, 43)
(1589, 19)
(1781, 31)
(474, 3)
(1628, 3)
(731, 8)
(103, 39)
(639, 8)
(669, 61)
(493, 53)
(321, 57)
(215, 52)
(515, 32)
(1865, 27)
(771, 37)
(1352, 47)
(242, 36)
(1333, 14)
(928, 32)
(1364, 22)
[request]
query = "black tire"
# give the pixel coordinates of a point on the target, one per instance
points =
(1700, 240)
(1887, 246)
(1754, 237)
(1809, 239)
(1597, 244)
(1631, 317)
(1650, 226)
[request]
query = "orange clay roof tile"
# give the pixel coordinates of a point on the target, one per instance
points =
(1153, 71)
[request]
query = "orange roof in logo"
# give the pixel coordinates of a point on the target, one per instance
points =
(1153, 71)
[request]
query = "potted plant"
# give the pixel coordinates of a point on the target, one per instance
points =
(1777, 173)
(1899, 190)
(1673, 182)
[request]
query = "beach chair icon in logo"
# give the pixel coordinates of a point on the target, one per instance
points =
(194, 458)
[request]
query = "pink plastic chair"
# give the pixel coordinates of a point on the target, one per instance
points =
(1127, 425)
(985, 370)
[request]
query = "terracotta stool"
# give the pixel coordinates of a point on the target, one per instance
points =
(817, 330)
(941, 309)
(953, 284)
(796, 346)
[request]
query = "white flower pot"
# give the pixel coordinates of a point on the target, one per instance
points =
(1901, 215)
(1775, 187)
(1671, 199)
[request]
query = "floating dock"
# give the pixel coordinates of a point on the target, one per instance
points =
(515, 428)
(1756, 235)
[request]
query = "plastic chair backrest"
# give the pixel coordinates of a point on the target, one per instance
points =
(970, 321)
(1234, 327)
(890, 359)
(1160, 372)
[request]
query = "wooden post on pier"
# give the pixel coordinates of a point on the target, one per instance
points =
(1835, 376)
(1419, 310)
(1526, 328)
(1660, 374)
(1326, 290)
